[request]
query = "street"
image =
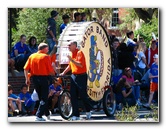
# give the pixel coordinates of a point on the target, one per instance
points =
(98, 116)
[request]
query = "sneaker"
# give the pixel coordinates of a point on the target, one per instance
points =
(40, 119)
(147, 106)
(73, 118)
(88, 115)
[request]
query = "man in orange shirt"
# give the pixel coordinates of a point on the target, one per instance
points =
(78, 80)
(39, 66)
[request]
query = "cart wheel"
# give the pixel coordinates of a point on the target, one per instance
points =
(109, 103)
(64, 105)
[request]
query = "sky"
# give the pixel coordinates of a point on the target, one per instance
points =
(5, 4)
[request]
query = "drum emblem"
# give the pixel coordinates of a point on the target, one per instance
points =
(96, 63)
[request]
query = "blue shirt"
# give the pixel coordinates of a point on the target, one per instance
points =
(154, 72)
(63, 25)
(13, 96)
(27, 98)
(32, 49)
(58, 88)
(20, 49)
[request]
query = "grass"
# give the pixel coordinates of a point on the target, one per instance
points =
(129, 114)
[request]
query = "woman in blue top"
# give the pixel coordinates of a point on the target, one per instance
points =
(33, 47)
(124, 93)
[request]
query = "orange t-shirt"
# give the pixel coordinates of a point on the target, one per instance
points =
(39, 64)
(79, 57)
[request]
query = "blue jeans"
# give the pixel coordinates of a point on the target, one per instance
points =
(30, 108)
(136, 92)
(51, 44)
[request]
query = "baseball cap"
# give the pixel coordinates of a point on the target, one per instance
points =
(155, 56)
(65, 16)
(54, 13)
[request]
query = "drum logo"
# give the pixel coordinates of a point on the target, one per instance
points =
(96, 63)
(95, 46)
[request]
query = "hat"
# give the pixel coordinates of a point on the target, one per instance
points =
(54, 13)
(42, 46)
(156, 56)
(65, 16)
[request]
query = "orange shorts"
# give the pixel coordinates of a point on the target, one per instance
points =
(153, 86)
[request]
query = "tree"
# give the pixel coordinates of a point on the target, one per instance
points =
(146, 14)
(149, 25)
(33, 22)
(146, 30)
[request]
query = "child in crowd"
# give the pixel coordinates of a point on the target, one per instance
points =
(153, 75)
(54, 91)
(28, 104)
(124, 94)
(14, 102)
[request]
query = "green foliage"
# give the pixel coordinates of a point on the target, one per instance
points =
(146, 30)
(127, 114)
(128, 19)
(153, 114)
(33, 22)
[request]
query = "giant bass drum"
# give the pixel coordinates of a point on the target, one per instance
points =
(93, 41)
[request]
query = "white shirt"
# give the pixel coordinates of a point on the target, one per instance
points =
(130, 41)
(141, 63)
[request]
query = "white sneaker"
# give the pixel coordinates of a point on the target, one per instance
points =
(88, 115)
(73, 118)
(40, 119)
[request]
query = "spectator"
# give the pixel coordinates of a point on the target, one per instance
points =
(130, 36)
(11, 63)
(77, 17)
(134, 84)
(83, 17)
(28, 104)
(150, 52)
(51, 30)
(142, 64)
(32, 45)
(54, 92)
(20, 53)
(39, 66)
(14, 101)
(154, 80)
(116, 70)
(65, 18)
(125, 57)
(124, 94)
